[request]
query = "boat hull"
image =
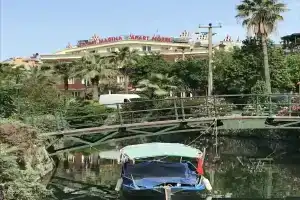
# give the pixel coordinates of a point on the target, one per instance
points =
(160, 195)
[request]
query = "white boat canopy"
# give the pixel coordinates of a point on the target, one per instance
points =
(157, 149)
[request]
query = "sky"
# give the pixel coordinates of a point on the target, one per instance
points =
(41, 26)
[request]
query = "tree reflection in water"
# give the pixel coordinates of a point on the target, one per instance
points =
(241, 171)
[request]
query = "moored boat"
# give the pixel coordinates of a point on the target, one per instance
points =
(145, 175)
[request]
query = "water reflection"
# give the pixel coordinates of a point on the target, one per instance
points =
(91, 177)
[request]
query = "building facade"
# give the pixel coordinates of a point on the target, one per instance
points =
(291, 43)
(171, 48)
(27, 62)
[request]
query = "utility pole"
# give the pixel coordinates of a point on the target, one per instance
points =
(210, 68)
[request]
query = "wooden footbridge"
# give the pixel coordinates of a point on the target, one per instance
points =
(176, 115)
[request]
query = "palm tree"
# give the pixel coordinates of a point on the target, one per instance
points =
(64, 71)
(41, 75)
(125, 59)
(260, 17)
(95, 68)
(156, 85)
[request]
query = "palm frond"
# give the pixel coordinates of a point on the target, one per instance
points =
(260, 16)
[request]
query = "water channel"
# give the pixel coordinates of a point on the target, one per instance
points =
(253, 168)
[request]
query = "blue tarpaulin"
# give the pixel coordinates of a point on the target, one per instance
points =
(152, 173)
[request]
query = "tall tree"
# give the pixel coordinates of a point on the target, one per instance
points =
(293, 63)
(94, 67)
(239, 70)
(157, 85)
(41, 74)
(64, 71)
(191, 74)
(150, 63)
(260, 17)
(125, 59)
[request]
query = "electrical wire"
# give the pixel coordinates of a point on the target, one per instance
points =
(212, 125)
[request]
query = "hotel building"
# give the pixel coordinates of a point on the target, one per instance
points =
(171, 48)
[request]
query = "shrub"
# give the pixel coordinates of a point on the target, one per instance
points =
(81, 114)
(23, 160)
(7, 107)
(16, 183)
(164, 109)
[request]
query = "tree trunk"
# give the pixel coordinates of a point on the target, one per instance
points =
(95, 83)
(66, 83)
(266, 64)
(126, 81)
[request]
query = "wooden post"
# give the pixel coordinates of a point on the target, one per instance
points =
(120, 114)
(212, 177)
(257, 102)
(290, 105)
(175, 107)
(270, 105)
(182, 109)
(207, 106)
(269, 183)
(215, 108)
(57, 121)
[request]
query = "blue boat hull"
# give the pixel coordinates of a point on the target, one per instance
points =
(160, 195)
(178, 193)
(146, 180)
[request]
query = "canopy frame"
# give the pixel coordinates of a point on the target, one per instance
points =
(150, 150)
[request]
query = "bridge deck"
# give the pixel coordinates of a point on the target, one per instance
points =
(175, 115)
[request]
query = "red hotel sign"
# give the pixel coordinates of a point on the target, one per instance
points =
(96, 40)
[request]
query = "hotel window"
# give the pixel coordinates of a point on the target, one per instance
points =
(165, 48)
(112, 49)
(75, 52)
(76, 94)
(71, 81)
(120, 79)
(85, 82)
(146, 48)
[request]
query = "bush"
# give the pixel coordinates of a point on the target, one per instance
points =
(81, 114)
(23, 160)
(47, 123)
(164, 109)
(7, 107)
(16, 183)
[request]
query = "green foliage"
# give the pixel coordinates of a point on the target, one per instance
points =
(147, 65)
(293, 64)
(260, 17)
(94, 67)
(39, 98)
(240, 70)
(22, 162)
(167, 109)
(191, 74)
(8, 106)
(124, 60)
(156, 86)
(80, 114)
(17, 183)
(280, 73)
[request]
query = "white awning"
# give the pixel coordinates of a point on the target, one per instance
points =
(149, 150)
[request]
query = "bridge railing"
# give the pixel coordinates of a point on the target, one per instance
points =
(210, 106)
(174, 108)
